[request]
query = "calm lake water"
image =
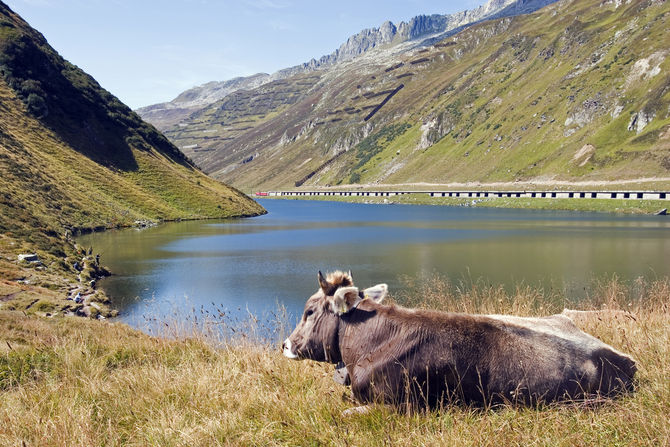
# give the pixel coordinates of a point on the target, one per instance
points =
(251, 265)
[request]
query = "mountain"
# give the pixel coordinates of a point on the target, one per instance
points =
(437, 26)
(74, 158)
(577, 91)
(167, 114)
(388, 35)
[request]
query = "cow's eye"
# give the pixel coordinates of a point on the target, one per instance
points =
(308, 312)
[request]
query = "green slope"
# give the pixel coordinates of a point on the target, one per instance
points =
(546, 96)
(240, 115)
(73, 157)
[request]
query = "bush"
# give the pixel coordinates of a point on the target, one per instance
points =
(31, 86)
(37, 106)
(44, 306)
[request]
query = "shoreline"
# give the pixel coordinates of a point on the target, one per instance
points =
(52, 286)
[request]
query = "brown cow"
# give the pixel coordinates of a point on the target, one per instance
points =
(425, 358)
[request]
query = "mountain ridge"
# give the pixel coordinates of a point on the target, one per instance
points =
(164, 115)
(576, 91)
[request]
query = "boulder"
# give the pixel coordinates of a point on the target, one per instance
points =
(29, 257)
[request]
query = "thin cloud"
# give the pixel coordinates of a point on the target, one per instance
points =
(268, 4)
(279, 25)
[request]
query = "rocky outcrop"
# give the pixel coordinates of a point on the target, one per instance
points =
(639, 120)
(421, 26)
(584, 155)
(435, 128)
(366, 40)
(363, 41)
(435, 26)
(586, 112)
(646, 68)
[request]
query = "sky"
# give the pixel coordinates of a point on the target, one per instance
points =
(149, 51)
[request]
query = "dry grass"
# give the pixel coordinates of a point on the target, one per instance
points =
(74, 382)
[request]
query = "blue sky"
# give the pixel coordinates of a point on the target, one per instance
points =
(149, 51)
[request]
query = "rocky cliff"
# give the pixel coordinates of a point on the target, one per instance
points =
(419, 28)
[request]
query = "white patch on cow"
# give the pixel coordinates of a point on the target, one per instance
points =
(555, 325)
(288, 349)
(376, 293)
(559, 326)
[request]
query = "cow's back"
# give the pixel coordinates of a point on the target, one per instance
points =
(551, 358)
(391, 350)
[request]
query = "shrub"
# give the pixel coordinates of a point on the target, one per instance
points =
(37, 106)
(44, 306)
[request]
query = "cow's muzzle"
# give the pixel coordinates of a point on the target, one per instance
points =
(287, 349)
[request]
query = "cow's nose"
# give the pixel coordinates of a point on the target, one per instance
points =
(287, 349)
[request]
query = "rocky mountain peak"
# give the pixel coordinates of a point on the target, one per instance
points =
(422, 25)
(388, 30)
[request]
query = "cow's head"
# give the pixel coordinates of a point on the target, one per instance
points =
(316, 336)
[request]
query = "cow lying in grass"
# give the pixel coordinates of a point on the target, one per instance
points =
(424, 358)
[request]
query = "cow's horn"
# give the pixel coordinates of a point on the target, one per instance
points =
(323, 283)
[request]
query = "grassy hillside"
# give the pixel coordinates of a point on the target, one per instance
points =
(576, 91)
(241, 114)
(72, 158)
(94, 383)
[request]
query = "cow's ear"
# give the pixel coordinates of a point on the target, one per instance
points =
(344, 299)
(376, 293)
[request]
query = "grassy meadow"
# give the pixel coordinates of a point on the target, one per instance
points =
(79, 382)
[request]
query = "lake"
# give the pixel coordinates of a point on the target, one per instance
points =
(255, 264)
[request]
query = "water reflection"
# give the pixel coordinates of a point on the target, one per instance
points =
(256, 263)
